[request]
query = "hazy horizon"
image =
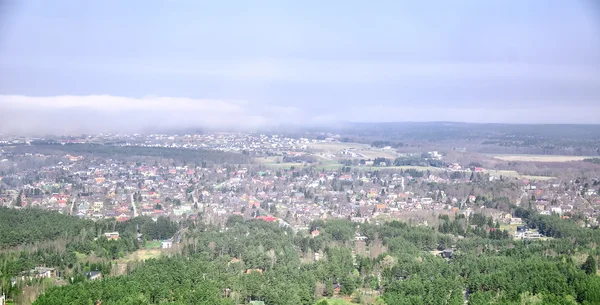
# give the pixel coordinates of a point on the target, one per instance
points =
(106, 66)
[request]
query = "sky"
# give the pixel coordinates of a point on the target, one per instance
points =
(114, 65)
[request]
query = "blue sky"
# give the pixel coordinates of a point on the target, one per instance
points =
(515, 61)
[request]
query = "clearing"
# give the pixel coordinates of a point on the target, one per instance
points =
(539, 158)
(515, 174)
(142, 255)
(364, 151)
(155, 244)
(337, 301)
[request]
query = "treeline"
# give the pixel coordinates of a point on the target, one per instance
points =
(47, 238)
(181, 154)
(592, 160)
(26, 226)
(554, 226)
(382, 144)
(168, 280)
(475, 225)
(255, 260)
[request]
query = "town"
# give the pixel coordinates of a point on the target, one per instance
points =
(293, 181)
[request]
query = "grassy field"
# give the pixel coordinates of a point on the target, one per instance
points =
(80, 256)
(539, 158)
(510, 228)
(141, 255)
(337, 301)
(155, 244)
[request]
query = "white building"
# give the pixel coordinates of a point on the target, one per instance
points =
(166, 244)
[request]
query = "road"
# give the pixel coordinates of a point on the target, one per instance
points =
(72, 205)
(135, 213)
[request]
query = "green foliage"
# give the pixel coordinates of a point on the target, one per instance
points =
(26, 226)
(181, 154)
(590, 266)
(165, 280)
(486, 269)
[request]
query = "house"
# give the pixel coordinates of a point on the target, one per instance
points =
(43, 272)
(315, 233)
(447, 253)
(267, 218)
(112, 235)
(166, 244)
(94, 275)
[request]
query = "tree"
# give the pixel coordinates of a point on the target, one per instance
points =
(19, 201)
(589, 266)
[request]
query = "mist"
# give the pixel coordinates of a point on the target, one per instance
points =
(107, 66)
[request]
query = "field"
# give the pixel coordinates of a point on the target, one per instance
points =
(141, 255)
(509, 173)
(80, 256)
(271, 162)
(155, 244)
(510, 228)
(337, 301)
(331, 165)
(539, 158)
(364, 151)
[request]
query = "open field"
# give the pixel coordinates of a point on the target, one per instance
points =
(510, 228)
(539, 158)
(80, 256)
(141, 255)
(332, 165)
(337, 301)
(335, 166)
(515, 174)
(364, 150)
(155, 244)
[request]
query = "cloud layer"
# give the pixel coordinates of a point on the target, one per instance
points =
(69, 114)
(106, 113)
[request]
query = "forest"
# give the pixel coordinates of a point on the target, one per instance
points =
(34, 237)
(254, 260)
(181, 154)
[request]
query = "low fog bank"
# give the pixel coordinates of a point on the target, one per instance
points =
(64, 115)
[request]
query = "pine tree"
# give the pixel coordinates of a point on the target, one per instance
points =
(589, 266)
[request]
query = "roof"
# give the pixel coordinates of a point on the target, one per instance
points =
(267, 218)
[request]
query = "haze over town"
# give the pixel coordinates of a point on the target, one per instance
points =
(299, 152)
(230, 64)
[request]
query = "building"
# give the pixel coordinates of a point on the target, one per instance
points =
(166, 244)
(43, 272)
(112, 235)
(94, 275)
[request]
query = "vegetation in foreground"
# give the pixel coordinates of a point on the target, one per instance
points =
(259, 261)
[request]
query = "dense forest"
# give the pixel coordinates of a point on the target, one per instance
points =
(255, 260)
(34, 237)
(549, 139)
(18, 227)
(181, 154)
